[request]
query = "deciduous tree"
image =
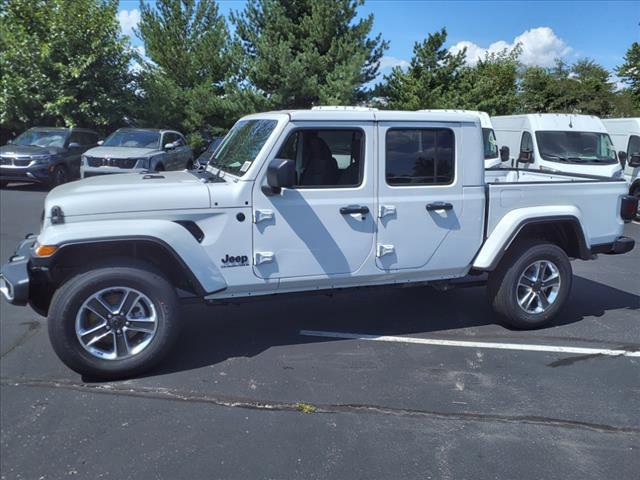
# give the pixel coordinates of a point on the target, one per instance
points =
(63, 62)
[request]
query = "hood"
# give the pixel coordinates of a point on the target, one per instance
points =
(120, 152)
(11, 150)
(129, 192)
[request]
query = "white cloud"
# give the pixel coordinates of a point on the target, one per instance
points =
(388, 62)
(128, 19)
(540, 46)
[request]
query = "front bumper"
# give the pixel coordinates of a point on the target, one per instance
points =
(36, 173)
(619, 246)
(14, 275)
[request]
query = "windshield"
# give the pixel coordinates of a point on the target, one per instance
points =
(42, 138)
(576, 147)
(490, 143)
(241, 145)
(133, 139)
(213, 145)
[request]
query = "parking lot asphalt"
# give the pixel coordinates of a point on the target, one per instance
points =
(246, 395)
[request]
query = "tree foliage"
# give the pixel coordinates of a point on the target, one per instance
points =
(629, 72)
(63, 62)
(583, 87)
(491, 85)
(189, 79)
(431, 79)
(299, 53)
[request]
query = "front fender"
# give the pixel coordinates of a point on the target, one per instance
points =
(172, 235)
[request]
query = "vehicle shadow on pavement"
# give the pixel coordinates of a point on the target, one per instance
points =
(215, 334)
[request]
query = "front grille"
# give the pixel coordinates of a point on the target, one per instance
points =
(112, 162)
(15, 162)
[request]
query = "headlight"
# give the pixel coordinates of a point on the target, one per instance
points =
(39, 159)
(142, 163)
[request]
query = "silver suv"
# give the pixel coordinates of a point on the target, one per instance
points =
(130, 150)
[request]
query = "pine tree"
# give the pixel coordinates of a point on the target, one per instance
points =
(300, 53)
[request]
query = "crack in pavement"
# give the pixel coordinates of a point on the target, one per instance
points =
(32, 327)
(246, 403)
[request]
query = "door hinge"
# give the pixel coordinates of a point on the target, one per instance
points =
(384, 210)
(385, 250)
(262, 257)
(262, 215)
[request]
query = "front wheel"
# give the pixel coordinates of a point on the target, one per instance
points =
(113, 322)
(531, 284)
(59, 175)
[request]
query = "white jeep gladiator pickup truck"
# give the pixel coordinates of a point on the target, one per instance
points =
(298, 201)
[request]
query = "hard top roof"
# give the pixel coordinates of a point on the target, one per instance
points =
(371, 115)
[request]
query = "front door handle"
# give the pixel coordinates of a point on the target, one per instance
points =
(354, 209)
(439, 206)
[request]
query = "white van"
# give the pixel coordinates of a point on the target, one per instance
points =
(625, 133)
(557, 142)
(491, 154)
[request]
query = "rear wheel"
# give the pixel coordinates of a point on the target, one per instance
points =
(159, 168)
(531, 284)
(113, 322)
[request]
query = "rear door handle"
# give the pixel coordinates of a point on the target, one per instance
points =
(354, 209)
(439, 206)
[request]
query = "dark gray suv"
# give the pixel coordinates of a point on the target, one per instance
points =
(47, 155)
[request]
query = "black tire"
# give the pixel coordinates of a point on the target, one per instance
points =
(503, 286)
(636, 193)
(59, 175)
(159, 168)
(68, 300)
(191, 165)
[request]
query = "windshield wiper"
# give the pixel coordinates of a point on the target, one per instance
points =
(557, 157)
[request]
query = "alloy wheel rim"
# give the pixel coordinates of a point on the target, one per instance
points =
(116, 323)
(538, 287)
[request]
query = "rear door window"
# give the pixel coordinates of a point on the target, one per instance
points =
(423, 156)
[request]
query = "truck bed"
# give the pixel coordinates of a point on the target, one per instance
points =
(594, 201)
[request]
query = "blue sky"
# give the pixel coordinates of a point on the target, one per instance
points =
(602, 31)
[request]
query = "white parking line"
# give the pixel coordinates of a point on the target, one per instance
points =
(457, 343)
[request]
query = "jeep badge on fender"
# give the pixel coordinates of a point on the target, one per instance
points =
(234, 261)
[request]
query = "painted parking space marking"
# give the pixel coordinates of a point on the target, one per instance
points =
(467, 344)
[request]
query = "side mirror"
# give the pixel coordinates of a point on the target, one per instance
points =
(622, 158)
(74, 145)
(634, 161)
(170, 146)
(100, 142)
(504, 154)
(281, 174)
(526, 156)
